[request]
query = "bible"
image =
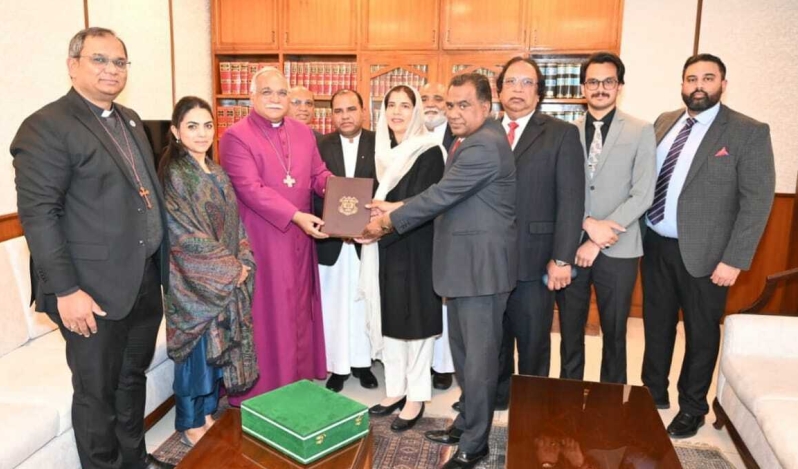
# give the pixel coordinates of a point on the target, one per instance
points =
(345, 214)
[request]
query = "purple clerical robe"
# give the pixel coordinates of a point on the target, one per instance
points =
(286, 307)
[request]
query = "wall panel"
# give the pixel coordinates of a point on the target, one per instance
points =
(192, 38)
(34, 41)
(144, 26)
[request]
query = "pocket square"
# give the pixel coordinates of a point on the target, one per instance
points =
(722, 152)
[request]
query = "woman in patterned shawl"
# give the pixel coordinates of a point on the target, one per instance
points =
(208, 306)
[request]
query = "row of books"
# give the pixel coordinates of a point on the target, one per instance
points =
(562, 80)
(234, 77)
(458, 69)
(398, 76)
(568, 116)
(230, 111)
(322, 120)
(321, 78)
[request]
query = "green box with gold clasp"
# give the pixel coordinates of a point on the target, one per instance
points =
(304, 421)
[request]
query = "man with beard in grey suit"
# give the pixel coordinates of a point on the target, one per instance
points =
(474, 255)
(712, 200)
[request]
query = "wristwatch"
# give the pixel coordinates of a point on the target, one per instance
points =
(560, 263)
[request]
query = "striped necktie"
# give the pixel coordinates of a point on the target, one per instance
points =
(657, 211)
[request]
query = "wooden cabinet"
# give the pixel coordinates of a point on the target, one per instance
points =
(383, 73)
(478, 24)
(324, 25)
(576, 25)
(244, 25)
(400, 24)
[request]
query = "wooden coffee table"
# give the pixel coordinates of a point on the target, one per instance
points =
(565, 423)
(225, 445)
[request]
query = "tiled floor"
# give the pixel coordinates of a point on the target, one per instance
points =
(442, 400)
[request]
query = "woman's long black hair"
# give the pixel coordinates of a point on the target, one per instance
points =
(174, 149)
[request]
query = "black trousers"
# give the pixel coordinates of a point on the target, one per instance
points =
(475, 334)
(668, 287)
(527, 324)
(614, 280)
(109, 383)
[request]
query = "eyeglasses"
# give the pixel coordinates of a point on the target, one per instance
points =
(524, 82)
(299, 102)
(268, 93)
(102, 61)
(608, 83)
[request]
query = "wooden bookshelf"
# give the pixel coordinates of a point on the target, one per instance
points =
(421, 40)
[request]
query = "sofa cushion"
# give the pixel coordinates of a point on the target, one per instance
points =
(777, 419)
(760, 379)
(24, 429)
(13, 327)
(22, 369)
(37, 374)
(19, 255)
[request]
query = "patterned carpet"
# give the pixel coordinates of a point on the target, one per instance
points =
(410, 450)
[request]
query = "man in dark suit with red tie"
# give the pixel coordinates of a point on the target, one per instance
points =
(714, 190)
(550, 206)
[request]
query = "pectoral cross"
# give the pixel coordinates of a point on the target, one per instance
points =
(145, 194)
(289, 181)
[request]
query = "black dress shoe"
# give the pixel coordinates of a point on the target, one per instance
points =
(336, 382)
(450, 436)
(462, 460)
(400, 425)
(382, 410)
(367, 378)
(456, 406)
(441, 381)
(662, 405)
(685, 425)
(153, 463)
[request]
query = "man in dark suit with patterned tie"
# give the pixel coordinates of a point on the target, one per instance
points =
(714, 190)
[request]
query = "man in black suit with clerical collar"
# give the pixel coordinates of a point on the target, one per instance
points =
(347, 152)
(93, 215)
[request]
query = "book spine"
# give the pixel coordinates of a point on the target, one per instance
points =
(225, 78)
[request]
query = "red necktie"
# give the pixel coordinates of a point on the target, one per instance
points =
(511, 132)
(454, 146)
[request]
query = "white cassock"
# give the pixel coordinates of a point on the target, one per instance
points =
(441, 354)
(346, 340)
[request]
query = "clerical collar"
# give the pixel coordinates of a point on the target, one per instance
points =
(100, 112)
(276, 125)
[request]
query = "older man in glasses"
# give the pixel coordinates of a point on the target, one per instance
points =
(302, 107)
(620, 172)
(550, 204)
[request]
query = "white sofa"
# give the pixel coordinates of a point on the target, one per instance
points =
(757, 394)
(35, 382)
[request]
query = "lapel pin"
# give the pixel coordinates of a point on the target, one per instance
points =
(132, 124)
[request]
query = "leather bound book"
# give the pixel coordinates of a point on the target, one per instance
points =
(345, 214)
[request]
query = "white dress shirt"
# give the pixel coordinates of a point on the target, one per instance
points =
(350, 154)
(668, 226)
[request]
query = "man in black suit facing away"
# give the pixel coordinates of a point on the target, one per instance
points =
(92, 211)
(347, 152)
(550, 206)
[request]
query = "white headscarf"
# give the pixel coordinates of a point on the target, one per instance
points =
(391, 164)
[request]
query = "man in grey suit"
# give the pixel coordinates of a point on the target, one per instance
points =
(89, 201)
(713, 195)
(620, 172)
(474, 258)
